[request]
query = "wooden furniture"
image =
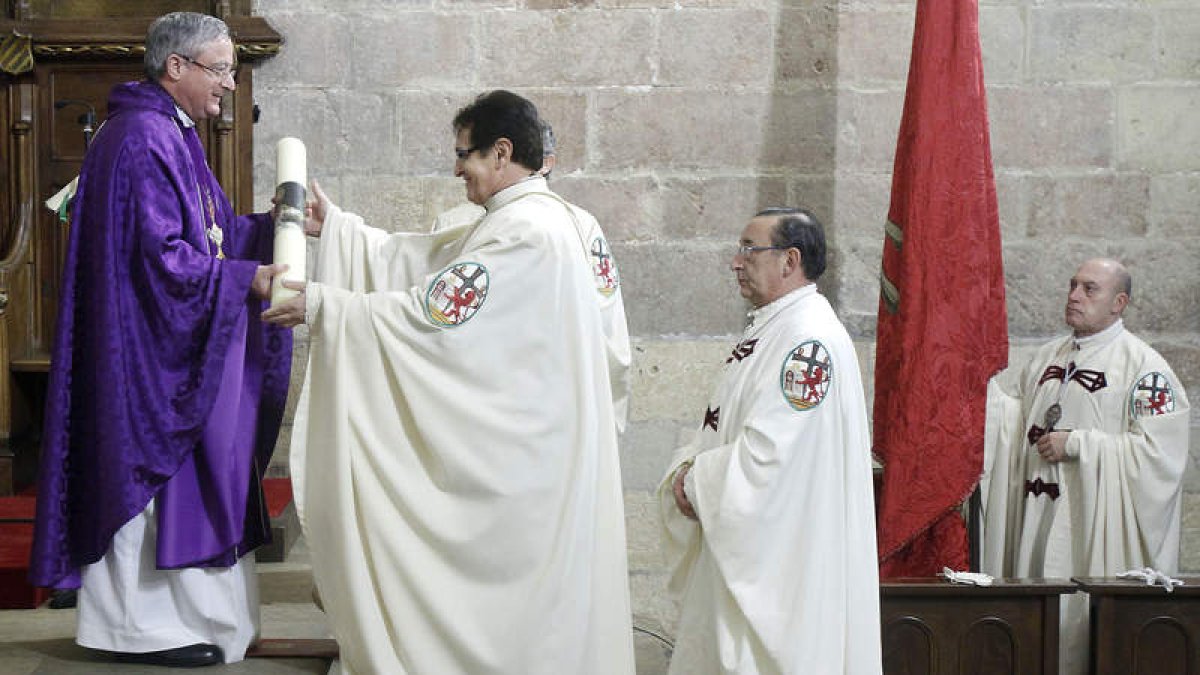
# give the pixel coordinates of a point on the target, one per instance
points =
(1143, 630)
(80, 49)
(934, 627)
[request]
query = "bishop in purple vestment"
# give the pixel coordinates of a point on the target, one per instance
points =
(166, 391)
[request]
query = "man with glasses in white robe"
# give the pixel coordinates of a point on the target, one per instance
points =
(768, 513)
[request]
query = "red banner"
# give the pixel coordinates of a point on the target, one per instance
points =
(942, 328)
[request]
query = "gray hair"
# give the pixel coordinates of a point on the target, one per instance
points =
(183, 33)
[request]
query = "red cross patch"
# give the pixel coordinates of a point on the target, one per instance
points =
(604, 267)
(1151, 396)
(456, 294)
(806, 375)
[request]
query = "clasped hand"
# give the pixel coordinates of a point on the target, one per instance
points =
(1052, 446)
(289, 313)
(681, 501)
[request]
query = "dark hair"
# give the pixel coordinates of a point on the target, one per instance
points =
(502, 114)
(799, 228)
(183, 33)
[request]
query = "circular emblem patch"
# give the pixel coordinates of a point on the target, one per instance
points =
(806, 375)
(1152, 395)
(456, 294)
(604, 268)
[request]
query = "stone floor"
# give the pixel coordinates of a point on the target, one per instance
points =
(40, 641)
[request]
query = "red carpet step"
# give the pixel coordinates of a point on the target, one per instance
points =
(285, 524)
(16, 539)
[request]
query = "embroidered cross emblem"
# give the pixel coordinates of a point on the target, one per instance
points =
(807, 375)
(603, 268)
(457, 294)
(464, 294)
(1152, 396)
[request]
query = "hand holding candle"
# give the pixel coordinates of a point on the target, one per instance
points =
(290, 248)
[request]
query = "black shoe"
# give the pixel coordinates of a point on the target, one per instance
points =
(191, 656)
(64, 599)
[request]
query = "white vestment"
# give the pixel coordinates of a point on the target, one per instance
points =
(780, 574)
(126, 605)
(454, 449)
(608, 287)
(1114, 504)
(458, 216)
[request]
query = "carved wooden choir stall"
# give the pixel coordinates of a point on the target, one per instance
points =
(60, 60)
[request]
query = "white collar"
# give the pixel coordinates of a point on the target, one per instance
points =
(530, 184)
(1102, 338)
(761, 315)
(184, 118)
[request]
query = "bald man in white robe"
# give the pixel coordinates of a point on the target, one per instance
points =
(1086, 450)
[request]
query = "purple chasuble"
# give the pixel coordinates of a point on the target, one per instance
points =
(163, 384)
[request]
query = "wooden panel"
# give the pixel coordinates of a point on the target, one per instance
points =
(1160, 641)
(60, 158)
(933, 627)
(991, 645)
(908, 646)
(1143, 630)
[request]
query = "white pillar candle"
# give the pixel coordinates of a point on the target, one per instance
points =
(290, 245)
(291, 161)
(292, 249)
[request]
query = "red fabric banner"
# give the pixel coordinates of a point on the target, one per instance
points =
(942, 328)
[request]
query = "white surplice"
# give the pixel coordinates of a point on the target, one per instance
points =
(1114, 504)
(780, 574)
(454, 449)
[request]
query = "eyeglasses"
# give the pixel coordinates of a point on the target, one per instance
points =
(463, 153)
(745, 250)
(220, 71)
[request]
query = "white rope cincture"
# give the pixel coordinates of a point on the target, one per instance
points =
(973, 578)
(1152, 577)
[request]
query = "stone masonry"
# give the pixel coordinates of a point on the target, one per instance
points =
(677, 119)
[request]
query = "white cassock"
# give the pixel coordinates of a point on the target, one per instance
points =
(1114, 504)
(454, 448)
(780, 574)
(127, 605)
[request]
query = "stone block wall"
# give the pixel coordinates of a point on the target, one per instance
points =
(677, 119)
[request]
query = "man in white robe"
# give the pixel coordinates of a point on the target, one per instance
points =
(602, 265)
(1086, 450)
(768, 513)
(454, 449)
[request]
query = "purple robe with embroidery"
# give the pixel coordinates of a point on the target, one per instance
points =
(164, 384)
